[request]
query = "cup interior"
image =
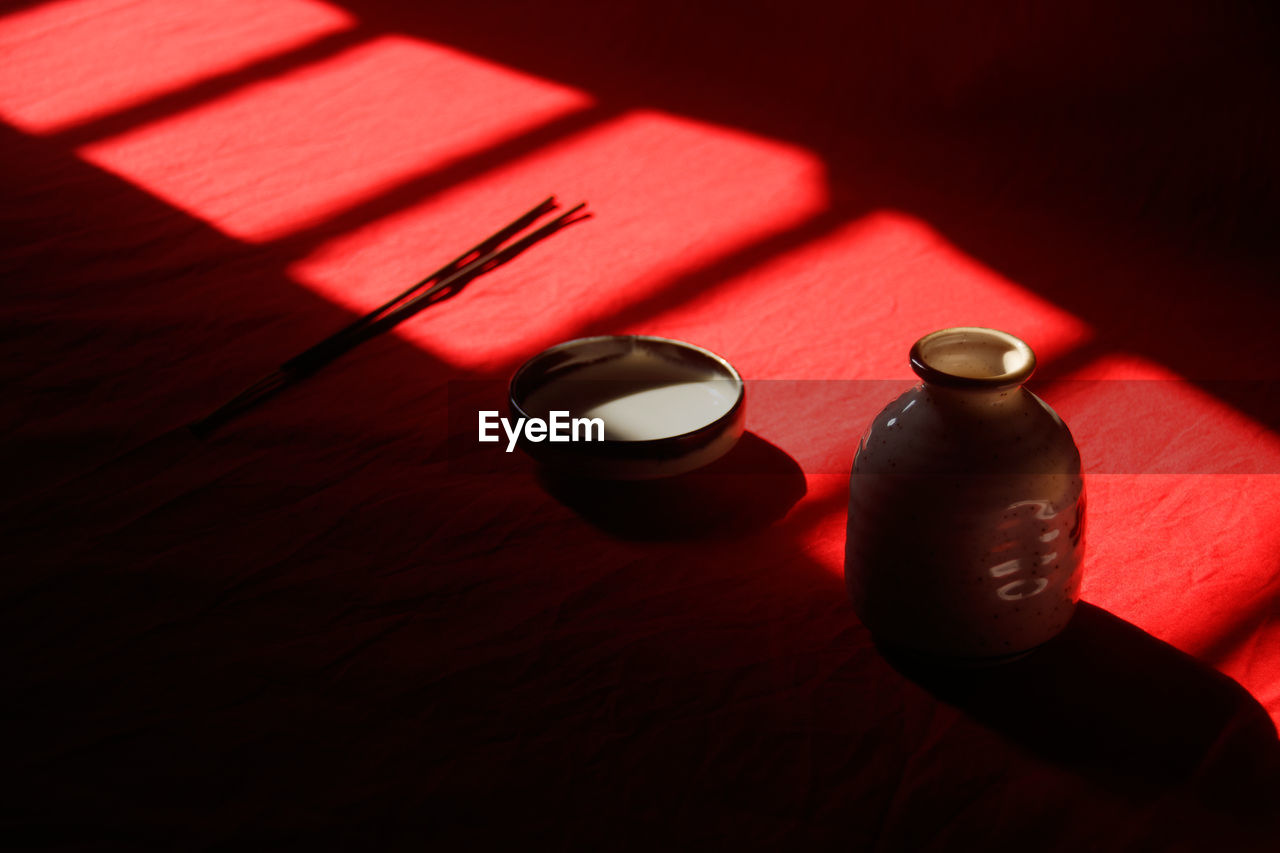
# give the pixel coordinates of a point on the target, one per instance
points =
(643, 388)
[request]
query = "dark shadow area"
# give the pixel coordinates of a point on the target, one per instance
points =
(9, 7)
(750, 487)
(88, 328)
(1130, 712)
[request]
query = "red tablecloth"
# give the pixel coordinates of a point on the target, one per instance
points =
(338, 621)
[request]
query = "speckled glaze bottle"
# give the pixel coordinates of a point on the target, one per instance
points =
(966, 507)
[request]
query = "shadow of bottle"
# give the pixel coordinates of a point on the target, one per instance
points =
(1130, 713)
(750, 487)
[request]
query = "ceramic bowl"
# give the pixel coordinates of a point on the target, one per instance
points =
(663, 407)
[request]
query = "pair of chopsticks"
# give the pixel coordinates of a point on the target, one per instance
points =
(484, 257)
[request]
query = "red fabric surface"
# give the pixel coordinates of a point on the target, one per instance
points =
(334, 621)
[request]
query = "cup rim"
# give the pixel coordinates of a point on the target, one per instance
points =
(515, 395)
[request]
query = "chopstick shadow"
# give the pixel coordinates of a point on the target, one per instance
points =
(1111, 702)
(753, 485)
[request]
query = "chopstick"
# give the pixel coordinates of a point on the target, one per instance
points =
(485, 256)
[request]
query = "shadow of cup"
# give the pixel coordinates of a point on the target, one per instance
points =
(751, 486)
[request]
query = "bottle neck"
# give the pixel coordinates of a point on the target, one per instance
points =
(976, 400)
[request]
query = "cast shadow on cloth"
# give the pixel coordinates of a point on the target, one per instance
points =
(750, 487)
(1128, 711)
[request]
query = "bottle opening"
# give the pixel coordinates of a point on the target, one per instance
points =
(972, 357)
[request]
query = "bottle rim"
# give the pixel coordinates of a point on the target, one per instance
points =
(972, 357)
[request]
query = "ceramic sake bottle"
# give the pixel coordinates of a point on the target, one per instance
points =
(966, 507)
